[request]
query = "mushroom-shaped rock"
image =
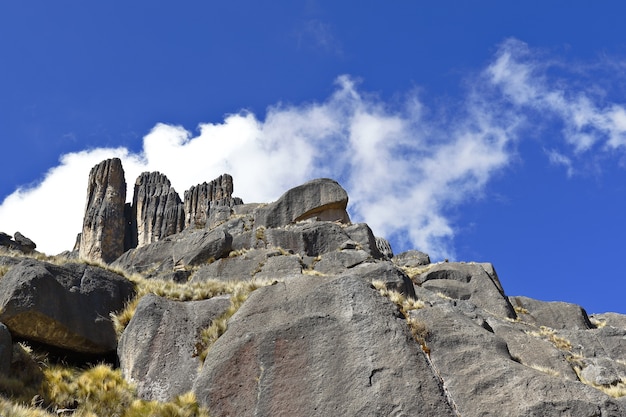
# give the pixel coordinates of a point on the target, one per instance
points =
(64, 306)
(321, 199)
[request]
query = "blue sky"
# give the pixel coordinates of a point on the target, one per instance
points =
(484, 131)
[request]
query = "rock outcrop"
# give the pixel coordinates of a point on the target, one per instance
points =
(157, 210)
(297, 311)
(19, 243)
(326, 346)
(206, 199)
(169, 330)
(321, 199)
(104, 224)
(65, 306)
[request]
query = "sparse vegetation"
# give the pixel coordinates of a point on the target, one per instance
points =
(520, 310)
(405, 305)
(414, 271)
(550, 335)
(3, 270)
(260, 233)
(189, 291)
(597, 323)
(239, 293)
(544, 369)
(614, 390)
(40, 388)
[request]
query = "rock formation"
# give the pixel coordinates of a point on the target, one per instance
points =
(104, 224)
(65, 306)
(287, 308)
(19, 243)
(157, 210)
(203, 199)
(321, 199)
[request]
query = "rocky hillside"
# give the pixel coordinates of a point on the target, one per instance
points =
(209, 306)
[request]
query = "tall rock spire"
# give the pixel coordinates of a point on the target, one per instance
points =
(104, 224)
(157, 209)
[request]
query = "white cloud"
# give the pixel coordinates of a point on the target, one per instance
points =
(405, 172)
(523, 78)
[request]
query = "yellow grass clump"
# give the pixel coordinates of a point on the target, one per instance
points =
(405, 305)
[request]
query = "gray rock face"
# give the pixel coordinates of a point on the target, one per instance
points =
(555, 314)
(468, 281)
(484, 379)
(104, 224)
(319, 347)
(204, 198)
(65, 306)
(321, 199)
(411, 259)
(157, 350)
(384, 247)
(157, 209)
(189, 248)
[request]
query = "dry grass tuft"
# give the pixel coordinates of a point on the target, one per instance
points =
(597, 323)
(550, 335)
(405, 305)
(239, 294)
(544, 369)
(414, 271)
(615, 390)
(101, 391)
(520, 310)
(189, 291)
(4, 269)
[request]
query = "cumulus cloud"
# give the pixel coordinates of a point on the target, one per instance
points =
(405, 171)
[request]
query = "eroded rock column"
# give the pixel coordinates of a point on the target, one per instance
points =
(104, 223)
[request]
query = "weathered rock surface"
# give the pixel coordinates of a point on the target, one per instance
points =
(157, 210)
(555, 314)
(204, 198)
(157, 350)
(65, 306)
(484, 379)
(469, 281)
(411, 259)
(384, 247)
(319, 347)
(188, 248)
(104, 224)
(320, 199)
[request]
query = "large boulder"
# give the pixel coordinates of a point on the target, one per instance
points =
(64, 306)
(158, 351)
(321, 199)
(157, 210)
(319, 346)
(104, 223)
(189, 248)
